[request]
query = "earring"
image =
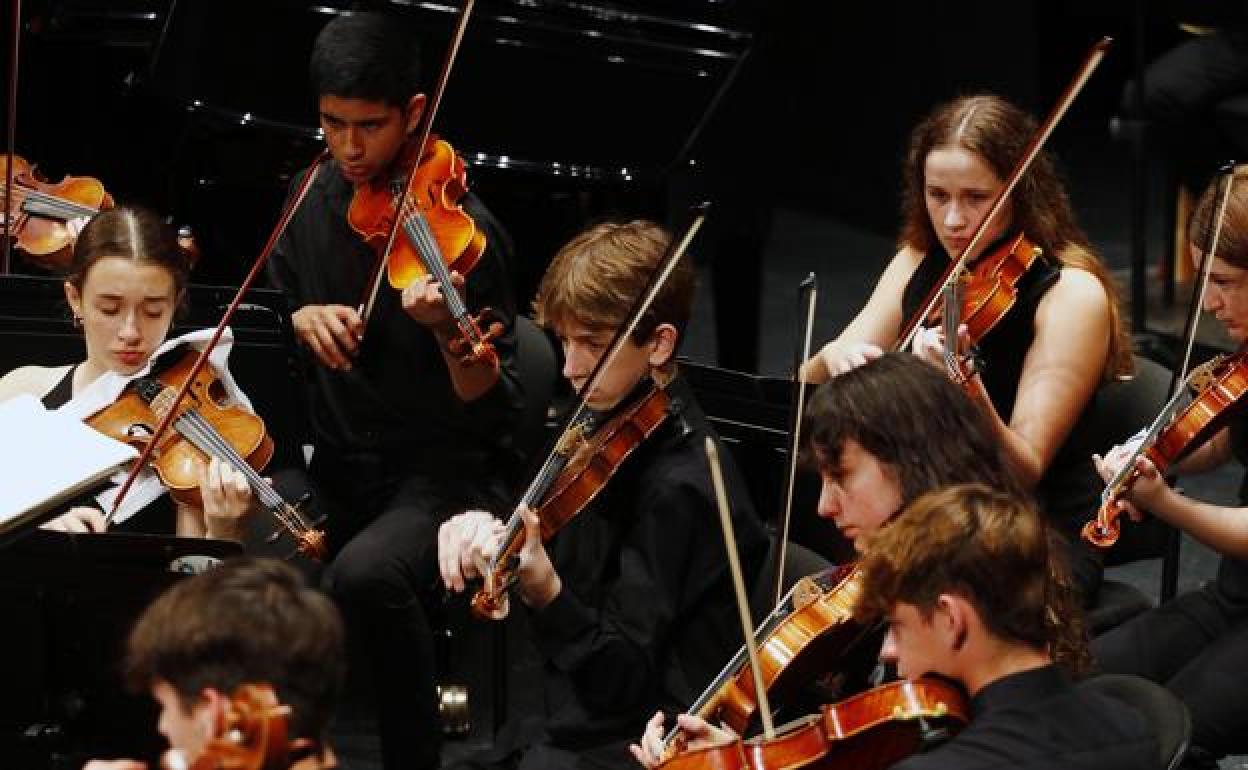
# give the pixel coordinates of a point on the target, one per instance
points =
(77, 321)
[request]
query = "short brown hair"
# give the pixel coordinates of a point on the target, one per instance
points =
(1233, 240)
(249, 620)
(988, 547)
(133, 233)
(595, 279)
(999, 133)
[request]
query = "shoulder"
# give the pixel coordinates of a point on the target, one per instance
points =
(34, 380)
(1077, 291)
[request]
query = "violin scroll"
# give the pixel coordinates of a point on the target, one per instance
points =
(253, 736)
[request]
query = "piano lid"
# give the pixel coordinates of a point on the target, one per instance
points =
(565, 87)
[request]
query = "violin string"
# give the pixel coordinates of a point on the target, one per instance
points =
(65, 206)
(417, 228)
(208, 440)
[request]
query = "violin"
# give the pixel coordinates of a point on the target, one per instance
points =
(1221, 383)
(982, 296)
(203, 428)
(253, 736)
(41, 209)
(874, 729)
(586, 459)
(438, 235)
(812, 625)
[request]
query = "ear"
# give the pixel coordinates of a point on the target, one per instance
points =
(74, 298)
(413, 111)
(209, 711)
(951, 617)
(663, 345)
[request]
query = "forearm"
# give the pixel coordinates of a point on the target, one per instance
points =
(1222, 528)
(1022, 457)
(471, 380)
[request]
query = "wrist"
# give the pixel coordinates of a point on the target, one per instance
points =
(540, 594)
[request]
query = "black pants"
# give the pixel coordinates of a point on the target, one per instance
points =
(383, 516)
(1199, 651)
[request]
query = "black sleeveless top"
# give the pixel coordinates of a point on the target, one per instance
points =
(1069, 492)
(158, 517)
(1230, 587)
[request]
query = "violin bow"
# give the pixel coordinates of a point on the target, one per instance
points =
(11, 140)
(1090, 62)
(288, 213)
(426, 128)
(738, 586)
(567, 430)
(807, 290)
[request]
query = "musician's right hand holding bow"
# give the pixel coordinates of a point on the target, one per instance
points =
(697, 734)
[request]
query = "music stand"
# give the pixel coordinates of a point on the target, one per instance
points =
(72, 599)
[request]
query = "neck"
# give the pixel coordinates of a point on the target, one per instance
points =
(86, 373)
(998, 660)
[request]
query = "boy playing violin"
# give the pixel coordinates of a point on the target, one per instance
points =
(404, 430)
(630, 602)
(965, 578)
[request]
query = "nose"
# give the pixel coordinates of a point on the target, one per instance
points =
(829, 506)
(352, 147)
(955, 217)
(128, 332)
(888, 651)
(574, 362)
(1213, 297)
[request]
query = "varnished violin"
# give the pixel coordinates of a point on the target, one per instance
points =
(253, 736)
(204, 427)
(41, 209)
(870, 731)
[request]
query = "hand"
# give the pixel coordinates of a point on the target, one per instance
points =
(929, 345)
(1148, 489)
(698, 734)
(466, 543)
(227, 499)
(424, 302)
(838, 360)
(114, 764)
(539, 584)
(80, 518)
(331, 332)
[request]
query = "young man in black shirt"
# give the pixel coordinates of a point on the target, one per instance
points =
(630, 602)
(405, 432)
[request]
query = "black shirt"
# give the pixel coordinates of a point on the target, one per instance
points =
(398, 397)
(646, 616)
(1036, 720)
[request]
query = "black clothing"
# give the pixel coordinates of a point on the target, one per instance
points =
(396, 452)
(1069, 493)
(1196, 645)
(646, 616)
(1036, 720)
(62, 392)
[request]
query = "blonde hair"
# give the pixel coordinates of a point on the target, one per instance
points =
(597, 276)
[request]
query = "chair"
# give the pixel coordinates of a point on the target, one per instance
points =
(538, 372)
(1166, 713)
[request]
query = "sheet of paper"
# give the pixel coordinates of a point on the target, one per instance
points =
(48, 459)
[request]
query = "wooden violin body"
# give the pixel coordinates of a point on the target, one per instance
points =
(807, 632)
(590, 462)
(990, 289)
(41, 209)
(1224, 381)
(870, 731)
(205, 427)
(253, 735)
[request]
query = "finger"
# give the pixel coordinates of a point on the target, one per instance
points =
(347, 340)
(328, 350)
(1133, 511)
(210, 487)
(74, 524)
(446, 554)
(532, 528)
(94, 520)
(642, 757)
(351, 319)
(457, 280)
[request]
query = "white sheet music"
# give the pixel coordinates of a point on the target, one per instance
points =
(49, 459)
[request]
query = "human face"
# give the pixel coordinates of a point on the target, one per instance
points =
(1226, 296)
(915, 643)
(959, 187)
(583, 346)
(186, 729)
(126, 308)
(364, 135)
(859, 492)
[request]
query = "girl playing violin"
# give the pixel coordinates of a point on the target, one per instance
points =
(630, 602)
(1197, 643)
(1044, 361)
(125, 284)
(880, 435)
(967, 581)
